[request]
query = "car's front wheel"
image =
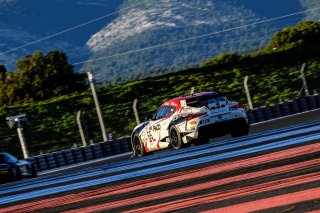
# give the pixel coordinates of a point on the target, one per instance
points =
(138, 147)
(175, 138)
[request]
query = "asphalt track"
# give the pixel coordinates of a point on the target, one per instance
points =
(274, 169)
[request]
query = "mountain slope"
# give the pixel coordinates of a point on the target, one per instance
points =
(148, 23)
(166, 21)
(25, 21)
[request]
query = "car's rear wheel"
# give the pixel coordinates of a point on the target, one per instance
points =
(138, 147)
(175, 138)
(241, 130)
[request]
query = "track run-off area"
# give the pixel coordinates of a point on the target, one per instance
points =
(274, 169)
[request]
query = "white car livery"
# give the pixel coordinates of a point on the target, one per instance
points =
(190, 119)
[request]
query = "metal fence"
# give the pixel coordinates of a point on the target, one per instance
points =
(302, 104)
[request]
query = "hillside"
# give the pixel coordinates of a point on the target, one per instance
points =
(165, 22)
(27, 21)
(144, 25)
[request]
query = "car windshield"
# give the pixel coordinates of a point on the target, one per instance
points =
(203, 101)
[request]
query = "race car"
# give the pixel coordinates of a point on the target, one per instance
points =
(191, 119)
(13, 169)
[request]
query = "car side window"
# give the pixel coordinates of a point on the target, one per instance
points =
(158, 114)
(163, 112)
(169, 111)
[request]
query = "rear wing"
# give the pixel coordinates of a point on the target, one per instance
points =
(196, 99)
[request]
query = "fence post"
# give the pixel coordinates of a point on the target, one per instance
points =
(19, 120)
(192, 91)
(83, 139)
(96, 101)
(136, 111)
(248, 92)
(306, 90)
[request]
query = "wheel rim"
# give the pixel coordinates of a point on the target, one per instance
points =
(137, 146)
(174, 138)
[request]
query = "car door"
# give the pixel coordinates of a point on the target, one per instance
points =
(164, 123)
(158, 128)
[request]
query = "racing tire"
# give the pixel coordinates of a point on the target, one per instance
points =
(240, 131)
(175, 138)
(138, 147)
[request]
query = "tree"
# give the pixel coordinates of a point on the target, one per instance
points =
(41, 77)
(3, 72)
(3, 75)
(301, 35)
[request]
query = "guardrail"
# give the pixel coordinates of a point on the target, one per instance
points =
(302, 104)
(109, 148)
(77, 155)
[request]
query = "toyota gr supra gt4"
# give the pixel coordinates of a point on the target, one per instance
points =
(191, 119)
(13, 169)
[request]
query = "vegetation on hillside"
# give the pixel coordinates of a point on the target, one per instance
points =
(274, 74)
